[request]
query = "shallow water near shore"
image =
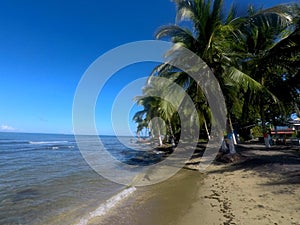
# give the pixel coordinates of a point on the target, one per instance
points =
(45, 180)
(162, 204)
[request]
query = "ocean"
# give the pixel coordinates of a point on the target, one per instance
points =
(45, 180)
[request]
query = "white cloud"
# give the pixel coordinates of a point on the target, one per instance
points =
(6, 128)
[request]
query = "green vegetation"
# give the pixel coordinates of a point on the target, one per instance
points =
(256, 131)
(254, 57)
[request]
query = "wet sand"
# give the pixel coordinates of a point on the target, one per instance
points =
(264, 188)
(163, 203)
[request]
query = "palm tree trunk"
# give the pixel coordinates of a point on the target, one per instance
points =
(263, 118)
(245, 110)
(172, 135)
(263, 125)
(206, 129)
(232, 130)
(159, 138)
(231, 137)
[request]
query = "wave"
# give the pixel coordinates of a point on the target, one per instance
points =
(46, 142)
(61, 147)
(105, 207)
(52, 145)
(55, 147)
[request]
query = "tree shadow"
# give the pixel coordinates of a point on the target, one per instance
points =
(283, 163)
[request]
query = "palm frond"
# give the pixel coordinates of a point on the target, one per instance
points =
(232, 14)
(240, 78)
(186, 10)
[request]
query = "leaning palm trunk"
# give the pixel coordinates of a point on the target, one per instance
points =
(206, 129)
(155, 129)
(159, 138)
(231, 137)
(172, 135)
(231, 144)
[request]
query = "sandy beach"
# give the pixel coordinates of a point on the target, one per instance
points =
(262, 188)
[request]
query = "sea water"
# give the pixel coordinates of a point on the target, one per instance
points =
(45, 180)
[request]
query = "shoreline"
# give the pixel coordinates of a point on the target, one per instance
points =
(262, 188)
(163, 203)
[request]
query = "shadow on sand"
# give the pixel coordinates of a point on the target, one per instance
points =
(282, 163)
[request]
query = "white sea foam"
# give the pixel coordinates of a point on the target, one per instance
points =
(105, 207)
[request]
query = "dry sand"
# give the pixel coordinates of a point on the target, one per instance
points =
(264, 188)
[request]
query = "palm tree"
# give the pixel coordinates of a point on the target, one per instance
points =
(151, 110)
(239, 50)
(192, 89)
(268, 52)
(160, 100)
(208, 28)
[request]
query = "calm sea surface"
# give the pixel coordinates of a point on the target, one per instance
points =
(45, 180)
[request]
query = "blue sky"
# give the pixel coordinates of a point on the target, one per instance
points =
(46, 46)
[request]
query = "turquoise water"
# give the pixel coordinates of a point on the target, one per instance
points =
(45, 180)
